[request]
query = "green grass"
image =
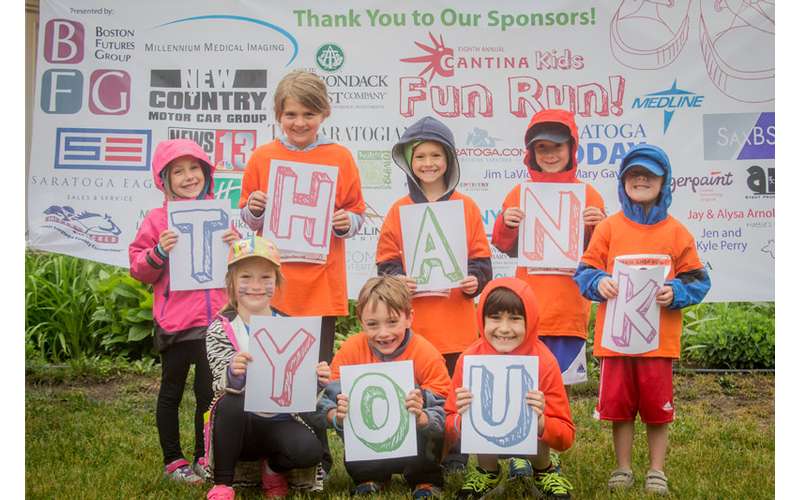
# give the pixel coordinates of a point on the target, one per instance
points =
(98, 440)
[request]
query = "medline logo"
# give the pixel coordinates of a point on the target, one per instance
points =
(330, 57)
(669, 100)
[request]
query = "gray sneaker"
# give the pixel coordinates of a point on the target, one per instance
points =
(180, 470)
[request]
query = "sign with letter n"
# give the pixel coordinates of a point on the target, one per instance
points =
(499, 421)
(434, 244)
(300, 206)
(378, 425)
(199, 259)
(282, 378)
(551, 233)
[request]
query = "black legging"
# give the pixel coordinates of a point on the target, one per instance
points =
(175, 363)
(422, 468)
(240, 435)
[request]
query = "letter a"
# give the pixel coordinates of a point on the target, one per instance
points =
(285, 360)
(432, 251)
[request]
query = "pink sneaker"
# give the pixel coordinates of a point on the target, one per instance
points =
(221, 492)
(273, 484)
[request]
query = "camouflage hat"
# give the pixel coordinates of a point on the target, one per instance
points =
(254, 246)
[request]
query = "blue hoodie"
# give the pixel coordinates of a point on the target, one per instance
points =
(688, 288)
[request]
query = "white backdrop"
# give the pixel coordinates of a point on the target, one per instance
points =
(696, 78)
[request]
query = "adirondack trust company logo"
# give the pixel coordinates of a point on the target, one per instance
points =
(330, 57)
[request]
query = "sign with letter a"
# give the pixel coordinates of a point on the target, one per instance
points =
(198, 260)
(434, 244)
(551, 233)
(499, 420)
(282, 378)
(299, 212)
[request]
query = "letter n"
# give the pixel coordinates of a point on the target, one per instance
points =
(563, 230)
(313, 209)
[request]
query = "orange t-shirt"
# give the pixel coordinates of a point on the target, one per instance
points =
(618, 235)
(311, 289)
(430, 372)
(563, 310)
(447, 322)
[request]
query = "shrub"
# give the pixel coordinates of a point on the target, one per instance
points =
(730, 335)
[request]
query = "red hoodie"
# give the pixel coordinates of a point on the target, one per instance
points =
(565, 312)
(559, 431)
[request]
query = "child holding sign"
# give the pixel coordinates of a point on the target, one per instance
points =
(311, 289)
(642, 383)
(508, 319)
(426, 153)
(384, 310)
(551, 140)
(281, 441)
(182, 171)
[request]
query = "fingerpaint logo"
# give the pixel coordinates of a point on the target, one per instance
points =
(102, 149)
(94, 230)
(739, 136)
(702, 183)
(670, 100)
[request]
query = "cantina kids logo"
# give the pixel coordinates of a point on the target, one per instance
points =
(669, 100)
(93, 229)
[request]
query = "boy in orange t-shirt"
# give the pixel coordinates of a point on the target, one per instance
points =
(631, 384)
(551, 140)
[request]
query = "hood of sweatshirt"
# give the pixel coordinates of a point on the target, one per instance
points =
(166, 151)
(522, 290)
(567, 119)
(654, 159)
(428, 129)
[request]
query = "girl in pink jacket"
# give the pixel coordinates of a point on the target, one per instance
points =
(182, 171)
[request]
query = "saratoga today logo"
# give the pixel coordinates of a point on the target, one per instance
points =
(329, 57)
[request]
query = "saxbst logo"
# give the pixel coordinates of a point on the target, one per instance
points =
(228, 148)
(739, 136)
(93, 229)
(102, 149)
(669, 100)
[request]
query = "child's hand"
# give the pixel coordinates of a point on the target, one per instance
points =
(535, 400)
(414, 405)
(664, 296)
(257, 203)
(463, 399)
(230, 236)
(469, 285)
(341, 220)
(592, 216)
(323, 372)
(342, 403)
(607, 288)
(239, 363)
(512, 216)
(167, 239)
(411, 284)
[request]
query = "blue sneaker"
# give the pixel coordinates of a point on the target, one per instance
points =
(367, 488)
(426, 490)
(519, 468)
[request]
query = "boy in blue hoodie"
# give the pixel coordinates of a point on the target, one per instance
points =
(631, 384)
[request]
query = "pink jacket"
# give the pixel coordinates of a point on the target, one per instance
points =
(178, 310)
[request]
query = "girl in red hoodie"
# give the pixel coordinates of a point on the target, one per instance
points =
(508, 320)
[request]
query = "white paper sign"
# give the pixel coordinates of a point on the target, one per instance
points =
(282, 378)
(299, 212)
(551, 233)
(434, 243)
(499, 420)
(199, 259)
(377, 424)
(632, 321)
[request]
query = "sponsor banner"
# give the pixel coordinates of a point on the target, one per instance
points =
(695, 78)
